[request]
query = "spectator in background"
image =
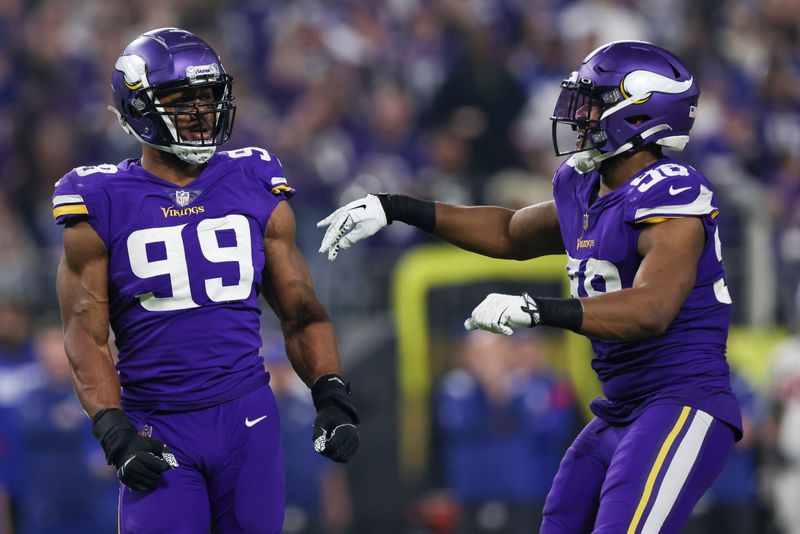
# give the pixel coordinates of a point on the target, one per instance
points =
(785, 435)
(61, 497)
(16, 346)
(730, 506)
(504, 419)
(19, 373)
(478, 102)
(317, 495)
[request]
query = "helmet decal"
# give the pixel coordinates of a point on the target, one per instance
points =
(133, 71)
(641, 83)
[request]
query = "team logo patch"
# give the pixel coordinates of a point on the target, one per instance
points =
(183, 198)
(146, 431)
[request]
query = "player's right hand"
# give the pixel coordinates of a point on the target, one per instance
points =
(351, 223)
(139, 460)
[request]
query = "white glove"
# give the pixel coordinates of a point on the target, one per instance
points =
(500, 314)
(364, 217)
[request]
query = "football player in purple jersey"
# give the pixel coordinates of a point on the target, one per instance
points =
(171, 250)
(648, 289)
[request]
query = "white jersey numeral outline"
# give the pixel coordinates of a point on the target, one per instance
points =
(584, 273)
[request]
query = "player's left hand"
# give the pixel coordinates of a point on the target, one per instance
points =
(335, 431)
(501, 314)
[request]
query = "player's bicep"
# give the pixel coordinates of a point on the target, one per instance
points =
(534, 231)
(670, 250)
(286, 282)
(82, 284)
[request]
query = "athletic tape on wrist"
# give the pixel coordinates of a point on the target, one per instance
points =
(410, 210)
(563, 313)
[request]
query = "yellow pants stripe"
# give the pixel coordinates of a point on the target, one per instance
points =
(654, 471)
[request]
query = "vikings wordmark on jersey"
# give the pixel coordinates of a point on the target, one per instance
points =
(685, 365)
(171, 250)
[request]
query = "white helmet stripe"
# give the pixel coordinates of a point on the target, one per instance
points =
(134, 70)
(641, 83)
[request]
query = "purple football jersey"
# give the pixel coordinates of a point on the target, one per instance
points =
(686, 364)
(184, 268)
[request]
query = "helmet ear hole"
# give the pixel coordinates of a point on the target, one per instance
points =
(131, 111)
(637, 119)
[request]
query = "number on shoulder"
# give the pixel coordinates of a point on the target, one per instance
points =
(248, 152)
(104, 168)
(655, 175)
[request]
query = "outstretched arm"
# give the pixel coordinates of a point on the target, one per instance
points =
(492, 231)
(501, 233)
(670, 252)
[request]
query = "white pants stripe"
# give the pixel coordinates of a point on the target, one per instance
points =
(678, 471)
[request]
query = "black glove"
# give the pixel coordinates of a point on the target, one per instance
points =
(139, 460)
(335, 432)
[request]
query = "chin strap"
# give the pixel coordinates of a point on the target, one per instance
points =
(193, 155)
(122, 122)
(589, 160)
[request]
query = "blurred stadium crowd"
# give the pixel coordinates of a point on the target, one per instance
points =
(443, 99)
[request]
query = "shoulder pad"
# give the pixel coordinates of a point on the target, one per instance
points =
(263, 166)
(667, 191)
(75, 196)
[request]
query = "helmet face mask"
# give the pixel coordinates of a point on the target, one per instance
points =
(579, 107)
(626, 94)
(171, 92)
(199, 115)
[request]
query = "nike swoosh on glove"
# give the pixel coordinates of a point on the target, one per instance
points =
(501, 314)
(335, 432)
(139, 460)
(351, 223)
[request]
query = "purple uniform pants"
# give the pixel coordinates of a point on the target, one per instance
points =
(641, 477)
(231, 474)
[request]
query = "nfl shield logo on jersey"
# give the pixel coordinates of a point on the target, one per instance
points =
(182, 197)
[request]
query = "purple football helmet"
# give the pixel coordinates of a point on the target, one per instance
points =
(641, 94)
(164, 61)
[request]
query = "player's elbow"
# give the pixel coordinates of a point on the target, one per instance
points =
(652, 328)
(653, 322)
